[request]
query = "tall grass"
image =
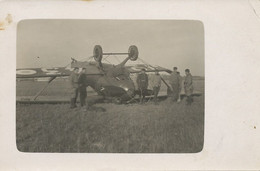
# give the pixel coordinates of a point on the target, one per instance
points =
(110, 128)
(148, 128)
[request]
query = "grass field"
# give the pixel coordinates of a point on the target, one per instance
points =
(132, 128)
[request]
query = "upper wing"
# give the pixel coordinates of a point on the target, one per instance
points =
(137, 68)
(42, 72)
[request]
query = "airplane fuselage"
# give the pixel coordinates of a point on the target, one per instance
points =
(113, 81)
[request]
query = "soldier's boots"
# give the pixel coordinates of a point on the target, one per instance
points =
(155, 101)
(141, 100)
(189, 100)
(85, 108)
(73, 103)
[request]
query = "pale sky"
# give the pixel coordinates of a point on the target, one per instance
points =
(166, 43)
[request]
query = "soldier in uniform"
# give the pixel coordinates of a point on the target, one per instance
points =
(82, 89)
(175, 84)
(180, 86)
(142, 83)
(188, 87)
(156, 83)
(73, 80)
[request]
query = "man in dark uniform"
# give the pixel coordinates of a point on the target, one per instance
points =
(82, 89)
(142, 83)
(188, 87)
(175, 85)
(73, 80)
(180, 86)
(156, 83)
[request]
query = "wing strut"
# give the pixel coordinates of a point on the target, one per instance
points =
(51, 79)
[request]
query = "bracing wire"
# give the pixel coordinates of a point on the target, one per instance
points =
(117, 58)
(105, 59)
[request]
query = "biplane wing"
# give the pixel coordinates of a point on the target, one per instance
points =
(42, 72)
(148, 68)
(54, 72)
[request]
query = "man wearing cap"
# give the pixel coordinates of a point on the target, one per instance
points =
(82, 89)
(156, 83)
(175, 84)
(73, 80)
(188, 87)
(142, 83)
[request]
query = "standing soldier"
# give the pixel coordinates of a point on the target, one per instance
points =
(73, 79)
(175, 84)
(82, 89)
(188, 87)
(142, 83)
(156, 83)
(180, 86)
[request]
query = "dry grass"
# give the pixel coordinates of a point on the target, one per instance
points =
(165, 128)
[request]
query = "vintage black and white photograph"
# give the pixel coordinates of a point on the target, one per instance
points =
(110, 86)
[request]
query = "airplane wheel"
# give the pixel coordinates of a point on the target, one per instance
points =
(98, 53)
(133, 53)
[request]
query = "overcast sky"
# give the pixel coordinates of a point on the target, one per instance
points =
(166, 43)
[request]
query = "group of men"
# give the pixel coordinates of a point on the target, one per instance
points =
(174, 89)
